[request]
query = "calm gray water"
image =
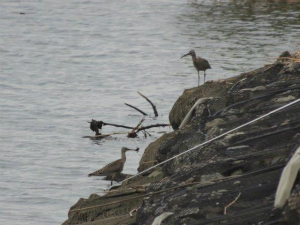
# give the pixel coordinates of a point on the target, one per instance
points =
(66, 62)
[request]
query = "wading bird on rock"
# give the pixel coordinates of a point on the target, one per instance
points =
(114, 168)
(199, 63)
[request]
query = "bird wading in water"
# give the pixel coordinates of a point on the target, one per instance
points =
(199, 63)
(114, 168)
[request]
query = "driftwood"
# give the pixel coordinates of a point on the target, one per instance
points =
(116, 125)
(107, 124)
(153, 106)
(146, 133)
(145, 114)
(133, 133)
(151, 126)
(100, 136)
(96, 125)
(138, 128)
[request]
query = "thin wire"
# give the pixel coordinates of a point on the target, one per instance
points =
(215, 138)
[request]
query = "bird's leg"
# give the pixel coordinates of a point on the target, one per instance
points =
(198, 78)
(112, 178)
(204, 76)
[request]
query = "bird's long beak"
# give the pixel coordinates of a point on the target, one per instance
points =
(185, 55)
(131, 149)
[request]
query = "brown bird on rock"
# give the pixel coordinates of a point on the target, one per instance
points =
(199, 63)
(114, 168)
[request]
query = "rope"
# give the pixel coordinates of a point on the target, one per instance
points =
(215, 138)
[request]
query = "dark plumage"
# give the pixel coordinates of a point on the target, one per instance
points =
(95, 126)
(199, 63)
(115, 167)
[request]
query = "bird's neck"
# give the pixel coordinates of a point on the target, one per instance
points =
(194, 57)
(123, 156)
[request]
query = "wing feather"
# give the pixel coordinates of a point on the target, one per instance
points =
(113, 167)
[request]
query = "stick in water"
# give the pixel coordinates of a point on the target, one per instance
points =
(111, 124)
(145, 114)
(153, 106)
(154, 125)
(133, 133)
(116, 125)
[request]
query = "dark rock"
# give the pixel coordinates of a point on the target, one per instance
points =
(118, 177)
(149, 157)
(256, 154)
(243, 167)
(190, 96)
(285, 54)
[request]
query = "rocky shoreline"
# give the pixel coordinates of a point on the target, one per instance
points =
(232, 180)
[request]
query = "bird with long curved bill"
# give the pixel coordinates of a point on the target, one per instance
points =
(200, 64)
(114, 168)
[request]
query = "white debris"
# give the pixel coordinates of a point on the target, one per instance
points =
(287, 180)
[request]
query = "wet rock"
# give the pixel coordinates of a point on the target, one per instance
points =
(233, 137)
(258, 88)
(240, 147)
(285, 99)
(156, 173)
(118, 177)
(235, 156)
(150, 154)
(213, 132)
(237, 172)
(197, 186)
(293, 67)
(277, 159)
(285, 54)
(215, 123)
(190, 96)
(208, 177)
(291, 211)
(237, 182)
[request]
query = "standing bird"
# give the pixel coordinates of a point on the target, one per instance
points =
(114, 168)
(199, 63)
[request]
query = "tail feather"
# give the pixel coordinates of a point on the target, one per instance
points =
(96, 173)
